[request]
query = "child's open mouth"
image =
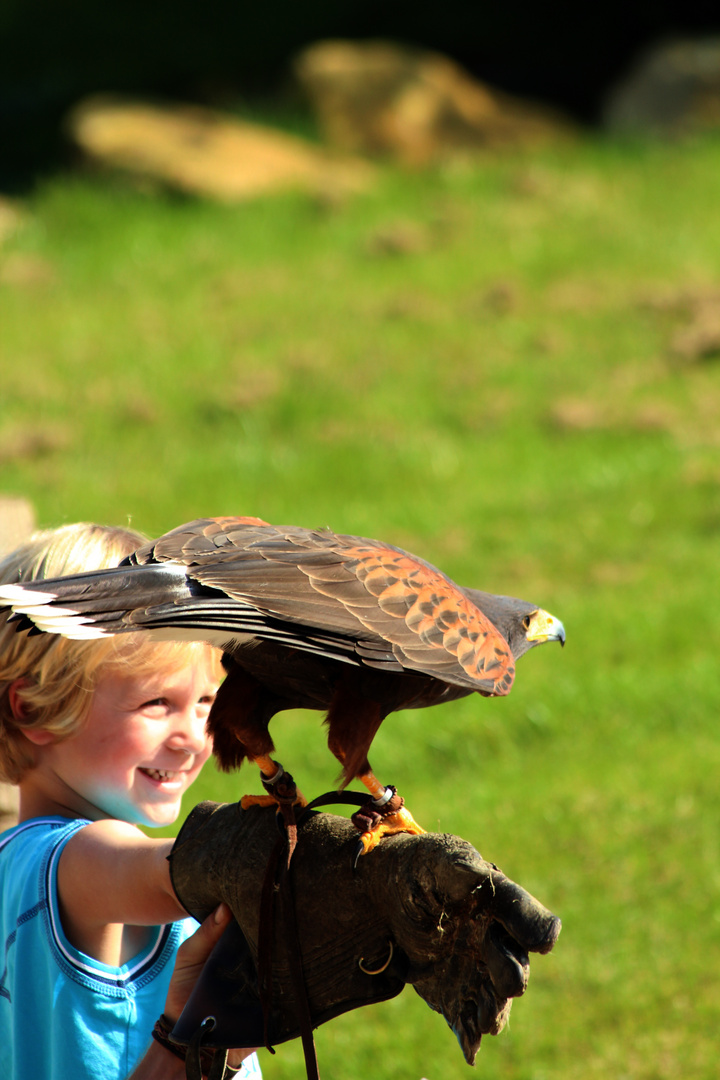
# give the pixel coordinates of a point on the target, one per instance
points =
(161, 775)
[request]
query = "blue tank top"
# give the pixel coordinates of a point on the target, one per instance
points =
(62, 1013)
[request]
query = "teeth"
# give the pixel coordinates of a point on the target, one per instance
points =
(160, 774)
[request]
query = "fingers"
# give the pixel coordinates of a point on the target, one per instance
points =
(196, 949)
(507, 962)
(531, 925)
(191, 958)
(492, 1010)
(236, 1057)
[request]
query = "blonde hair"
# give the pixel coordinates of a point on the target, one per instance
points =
(56, 676)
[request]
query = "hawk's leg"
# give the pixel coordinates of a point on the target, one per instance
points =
(238, 725)
(353, 720)
(279, 785)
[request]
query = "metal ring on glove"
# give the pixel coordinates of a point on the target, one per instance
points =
(378, 971)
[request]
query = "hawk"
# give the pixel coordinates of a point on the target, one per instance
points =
(306, 619)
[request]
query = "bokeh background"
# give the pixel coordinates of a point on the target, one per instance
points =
(503, 355)
(53, 55)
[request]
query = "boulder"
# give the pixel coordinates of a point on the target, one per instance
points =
(12, 219)
(202, 152)
(672, 89)
(381, 99)
(17, 521)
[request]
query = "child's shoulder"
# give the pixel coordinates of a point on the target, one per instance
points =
(37, 834)
(29, 854)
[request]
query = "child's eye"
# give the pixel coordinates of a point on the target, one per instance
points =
(154, 703)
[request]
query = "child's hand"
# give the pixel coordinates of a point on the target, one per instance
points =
(190, 961)
(191, 958)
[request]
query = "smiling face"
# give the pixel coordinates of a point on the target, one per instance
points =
(143, 743)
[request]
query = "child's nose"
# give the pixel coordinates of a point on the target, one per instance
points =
(191, 734)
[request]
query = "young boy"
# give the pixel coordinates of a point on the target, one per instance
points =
(100, 737)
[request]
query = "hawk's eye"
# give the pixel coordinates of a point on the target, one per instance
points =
(526, 622)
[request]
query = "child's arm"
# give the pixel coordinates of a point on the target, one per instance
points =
(112, 876)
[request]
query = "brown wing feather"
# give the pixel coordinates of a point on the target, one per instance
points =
(353, 587)
(197, 539)
(426, 617)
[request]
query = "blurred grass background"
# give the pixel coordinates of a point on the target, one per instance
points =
(494, 367)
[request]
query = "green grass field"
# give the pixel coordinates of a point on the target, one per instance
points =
(510, 370)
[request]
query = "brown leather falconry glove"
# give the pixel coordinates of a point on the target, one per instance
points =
(425, 910)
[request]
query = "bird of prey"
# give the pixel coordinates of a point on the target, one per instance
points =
(306, 619)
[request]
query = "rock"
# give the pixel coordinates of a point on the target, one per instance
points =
(12, 219)
(673, 89)
(17, 521)
(205, 153)
(26, 270)
(415, 106)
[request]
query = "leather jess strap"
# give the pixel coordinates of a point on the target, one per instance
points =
(278, 885)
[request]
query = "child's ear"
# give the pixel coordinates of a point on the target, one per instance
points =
(20, 713)
(38, 738)
(17, 705)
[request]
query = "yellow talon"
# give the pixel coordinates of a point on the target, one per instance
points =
(271, 774)
(257, 800)
(401, 821)
(268, 800)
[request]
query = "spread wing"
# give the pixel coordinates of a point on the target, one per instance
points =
(393, 609)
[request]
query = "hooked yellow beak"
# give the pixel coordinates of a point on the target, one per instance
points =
(545, 627)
